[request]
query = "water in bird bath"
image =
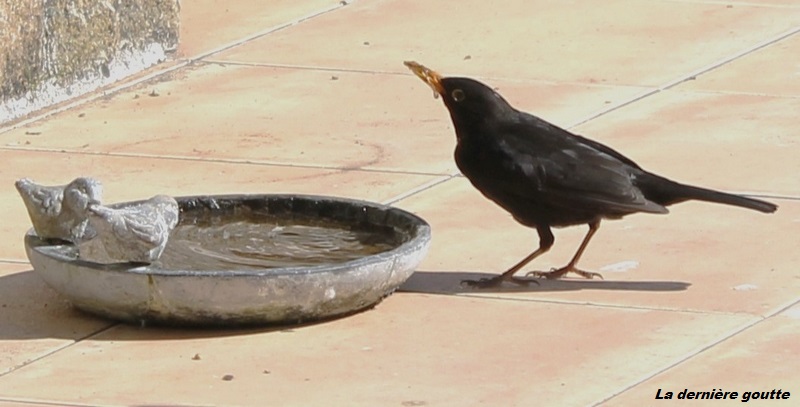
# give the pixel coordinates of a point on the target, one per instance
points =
(257, 242)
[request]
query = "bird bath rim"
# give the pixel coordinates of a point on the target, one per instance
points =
(355, 284)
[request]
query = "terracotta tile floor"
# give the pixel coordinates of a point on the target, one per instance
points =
(311, 96)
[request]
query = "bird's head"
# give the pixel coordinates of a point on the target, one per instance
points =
(88, 186)
(23, 184)
(81, 192)
(470, 102)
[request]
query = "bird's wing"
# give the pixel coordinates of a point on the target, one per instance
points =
(48, 199)
(122, 223)
(145, 224)
(566, 172)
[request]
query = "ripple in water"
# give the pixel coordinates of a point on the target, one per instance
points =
(257, 244)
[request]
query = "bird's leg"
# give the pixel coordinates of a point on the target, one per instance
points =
(571, 266)
(546, 240)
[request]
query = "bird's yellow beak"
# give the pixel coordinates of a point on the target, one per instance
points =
(433, 79)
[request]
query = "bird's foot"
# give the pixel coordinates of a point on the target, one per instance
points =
(497, 281)
(555, 274)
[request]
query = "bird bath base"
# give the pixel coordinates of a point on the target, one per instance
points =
(235, 276)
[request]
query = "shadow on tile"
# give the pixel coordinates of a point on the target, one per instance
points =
(449, 282)
(173, 332)
(29, 309)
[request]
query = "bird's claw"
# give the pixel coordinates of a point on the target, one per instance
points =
(555, 274)
(541, 274)
(590, 274)
(482, 283)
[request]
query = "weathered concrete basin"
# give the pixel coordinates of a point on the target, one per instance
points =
(139, 293)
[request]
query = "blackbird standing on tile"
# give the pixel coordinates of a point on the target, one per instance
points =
(546, 176)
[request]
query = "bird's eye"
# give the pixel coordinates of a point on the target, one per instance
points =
(458, 95)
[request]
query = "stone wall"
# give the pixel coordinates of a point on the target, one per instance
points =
(53, 50)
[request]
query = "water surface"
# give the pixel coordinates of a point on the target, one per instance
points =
(247, 243)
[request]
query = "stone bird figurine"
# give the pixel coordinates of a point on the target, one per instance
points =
(137, 233)
(59, 212)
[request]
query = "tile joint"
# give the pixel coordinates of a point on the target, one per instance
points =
(759, 319)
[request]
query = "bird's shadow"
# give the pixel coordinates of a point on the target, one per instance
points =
(451, 282)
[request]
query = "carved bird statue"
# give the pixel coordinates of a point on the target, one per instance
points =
(137, 233)
(59, 212)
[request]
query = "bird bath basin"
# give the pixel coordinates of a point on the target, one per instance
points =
(248, 259)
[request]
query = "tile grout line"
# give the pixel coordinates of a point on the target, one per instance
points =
(58, 349)
(416, 190)
(36, 402)
(766, 195)
(91, 97)
(180, 63)
(267, 31)
(13, 261)
(708, 68)
(584, 303)
(422, 188)
(689, 76)
(266, 163)
(739, 93)
(612, 306)
(220, 161)
(646, 89)
(736, 3)
(548, 82)
(691, 355)
(202, 56)
(305, 67)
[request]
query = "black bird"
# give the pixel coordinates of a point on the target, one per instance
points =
(546, 176)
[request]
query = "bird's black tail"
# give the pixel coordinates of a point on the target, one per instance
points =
(667, 192)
